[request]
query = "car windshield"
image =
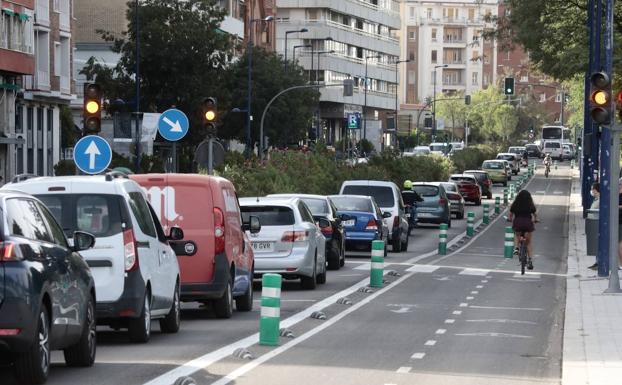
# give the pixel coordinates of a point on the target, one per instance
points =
(353, 204)
(382, 194)
(269, 215)
(317, 206)
(552, 145)
(493, 165)
(426, 191)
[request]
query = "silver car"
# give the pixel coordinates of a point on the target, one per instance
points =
(290, 242)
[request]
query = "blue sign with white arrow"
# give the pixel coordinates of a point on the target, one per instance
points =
(92, 154)
(173, 125)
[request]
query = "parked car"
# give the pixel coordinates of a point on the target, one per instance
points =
(215, 265)
(289, 242)
(512, 159)
(484, 181)
(435, 206)
(497, 170)
(419, 150)
(389, 198)
(468, 187)
(364, 222)
(322, 207)
(553, 147)
(135, 269)
(456, 201)
(47, 292)
(520, 153)
(533, 150)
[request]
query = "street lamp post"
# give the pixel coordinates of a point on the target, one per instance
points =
(298, 46)
(365, 99)
(434, 103)
(137, 164)
(287, 33)
(249, 116)
(317, 129)
(397, 62)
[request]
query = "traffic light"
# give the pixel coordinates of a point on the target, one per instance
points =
(92, 112)
(209, 110)
(467, 99)
(600, 98)
(509, 86)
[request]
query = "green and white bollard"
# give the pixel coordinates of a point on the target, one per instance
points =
(486, 219)
(512, 191)
(555, 164)
(377, 264)
(270, 319)
(470, 220)
(497, 205)
(442, 239)
(571, 164)
(509, 242)
(505, 196)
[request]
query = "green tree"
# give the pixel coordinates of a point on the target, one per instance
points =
(288, 118)
(453, 110)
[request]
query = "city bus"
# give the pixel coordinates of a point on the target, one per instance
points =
(556, 133)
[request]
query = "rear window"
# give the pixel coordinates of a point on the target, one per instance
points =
(478, 175)
(426, 191)
(317, 206)
(463, 179)
(552, 145)
(506, 157)
(353, 204)
(493, 165)
(98, 214)
(269, 215)
(382, 194)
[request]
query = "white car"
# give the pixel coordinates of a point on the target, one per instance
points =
(553, 147)
(135, 270)
(290, 242)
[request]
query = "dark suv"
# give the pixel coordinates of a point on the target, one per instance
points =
(47, 293)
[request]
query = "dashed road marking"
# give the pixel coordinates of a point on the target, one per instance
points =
(471, 271)
(417, 356)
(441, 331)
(430, 343)
(423, 268)
(484, 281)
(474, 292)
(479, 286)
(507, 308)
(450, 321)
(404, 369)
(457, 312)
(464, 304)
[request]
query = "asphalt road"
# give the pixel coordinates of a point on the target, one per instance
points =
(464, 317)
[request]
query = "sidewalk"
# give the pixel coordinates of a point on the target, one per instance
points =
(593, 323)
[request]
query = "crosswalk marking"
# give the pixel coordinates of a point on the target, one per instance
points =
(471, 271)
(404, 369)
(423, 268)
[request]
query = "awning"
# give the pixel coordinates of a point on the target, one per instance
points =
(9, 12)
(23, 16)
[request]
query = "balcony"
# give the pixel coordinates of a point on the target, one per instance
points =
(359, 32)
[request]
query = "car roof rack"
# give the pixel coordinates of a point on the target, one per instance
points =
(115, 174)
(22, 177)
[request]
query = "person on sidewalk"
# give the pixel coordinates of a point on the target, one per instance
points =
(595, 206)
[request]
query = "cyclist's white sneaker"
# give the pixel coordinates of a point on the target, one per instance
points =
(516, 251)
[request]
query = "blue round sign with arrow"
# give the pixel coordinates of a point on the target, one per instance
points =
(173, 125)
(92, 154)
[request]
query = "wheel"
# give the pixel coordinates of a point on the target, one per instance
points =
(489, 196)
(448, 222)
(321, 278)
(505, 184)
(33, 366)
(396, 244)
(170, 323)
(405, 245)
(83, 352)
(140, 328)
(334, 261)
(460, 215)
(223, 306)
(310, 283)
(245, 302)
(523, 258)
(342, 262)
(386, 250)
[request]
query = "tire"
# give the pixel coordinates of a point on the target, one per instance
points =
(489, 196)
(321, 278)
(83, 352)
(310, 283)
(170, 323)
(245, 302)
(342, 262)
(505, 184)
(396, 244)
(140, 328)
(33, 366)
(386, 250)
(460, 215)
(448, 223)
(405, 245)
(334, 261)
(478, 202)
(223, 306)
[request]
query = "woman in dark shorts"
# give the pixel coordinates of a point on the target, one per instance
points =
(523, 216)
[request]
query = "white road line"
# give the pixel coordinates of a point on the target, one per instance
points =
(479, 286)
(484, 281)
(507, 308)
(488, 276)
(528, 275)
(283, 348)
(441, 331)
(457, 312)
(492, 335)
(364, 266)
(404, 369)
(464, 304)
(350, 275)
(450, 321)
(430, 343)
(503, 321)
(423, 268)
(418, 356)
(471, 271)
(470, 298)
(475, 292)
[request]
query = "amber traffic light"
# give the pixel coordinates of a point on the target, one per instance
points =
(209, 109)
(600, 98)
(92, 108)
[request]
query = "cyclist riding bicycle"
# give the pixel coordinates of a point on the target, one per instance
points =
(523, 216)
(547, 161)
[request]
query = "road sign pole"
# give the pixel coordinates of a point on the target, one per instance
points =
(210, 157)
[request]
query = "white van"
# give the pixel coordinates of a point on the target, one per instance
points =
(553, 147)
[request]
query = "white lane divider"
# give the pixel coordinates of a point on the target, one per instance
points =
(470, 298)
(464, 304)
(458, 312)
(404, 369)
(479, 286)
(423, 268)
(441, 331)
(430, 343)
(450, 321)
(475, 292)
(417, 356)
(472, 271)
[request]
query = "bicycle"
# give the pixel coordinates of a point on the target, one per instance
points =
(522, 251)
(547, 170)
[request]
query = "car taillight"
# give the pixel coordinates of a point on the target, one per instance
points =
(8, 252)
(295, 236)
(327, 230)
(371, 225)
(442, 201)
(129, 250)
(219, 231)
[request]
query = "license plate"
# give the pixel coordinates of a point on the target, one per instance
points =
(349, 222)
(424, 215)
(263, 246)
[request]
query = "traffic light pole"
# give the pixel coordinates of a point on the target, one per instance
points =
(137, 164)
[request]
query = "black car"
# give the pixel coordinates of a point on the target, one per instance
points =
(533, 151)
(322, 207)
(47, 293)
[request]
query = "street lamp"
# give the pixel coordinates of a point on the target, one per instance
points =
(365, 100)
(287, 33)
(397, 62)
(250, 79)
(317, 129)
(434, 103)
(299, 46)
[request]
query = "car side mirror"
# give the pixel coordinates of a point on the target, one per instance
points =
(386, 214)
(252, 225)
(82, 240)
(323, 223)
(176, 234)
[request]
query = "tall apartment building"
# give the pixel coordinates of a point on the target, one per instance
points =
(443, 41)
(16, 59)
(263, 34)
(362, 37)
(47, 89)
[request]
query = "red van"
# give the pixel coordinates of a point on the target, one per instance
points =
(216, 261)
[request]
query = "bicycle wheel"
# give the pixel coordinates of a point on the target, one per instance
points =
(523, 257)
